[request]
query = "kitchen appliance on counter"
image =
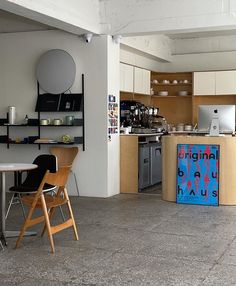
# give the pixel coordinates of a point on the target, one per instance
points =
(150, 165)
(142, 119)
(159, 123)
(127, 112)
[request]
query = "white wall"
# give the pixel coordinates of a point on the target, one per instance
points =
(113, 74)
(18, 57)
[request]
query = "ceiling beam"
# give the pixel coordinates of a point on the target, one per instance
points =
(74, 16)
(133, 17)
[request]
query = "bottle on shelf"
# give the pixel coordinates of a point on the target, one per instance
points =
(26, 119)
(11, 114)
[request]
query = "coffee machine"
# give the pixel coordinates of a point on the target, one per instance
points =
(138, 116)
(129, 113)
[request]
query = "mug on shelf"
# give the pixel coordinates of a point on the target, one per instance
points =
(69, 120)
(44, 122)
(57, 121)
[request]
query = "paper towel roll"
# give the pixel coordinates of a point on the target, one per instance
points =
(11, 114)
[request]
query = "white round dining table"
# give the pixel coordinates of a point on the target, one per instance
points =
(9, 167)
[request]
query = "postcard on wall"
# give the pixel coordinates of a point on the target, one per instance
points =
(112, 115)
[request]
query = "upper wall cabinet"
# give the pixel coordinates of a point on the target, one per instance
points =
(225, 82)
(133, 79)
(142, 79)
(215, 83)
(126, 78)
(204, 83)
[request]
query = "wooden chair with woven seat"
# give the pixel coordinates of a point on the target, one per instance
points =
(48, 204)
(65, 157)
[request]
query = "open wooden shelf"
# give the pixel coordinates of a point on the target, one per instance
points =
(175, 108)
(171, 84)
(172, 96)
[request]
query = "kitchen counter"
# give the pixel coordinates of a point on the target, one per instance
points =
(184, 132)
(143, 134)
(227, 177)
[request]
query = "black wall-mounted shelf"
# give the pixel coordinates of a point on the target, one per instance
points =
(34, 122)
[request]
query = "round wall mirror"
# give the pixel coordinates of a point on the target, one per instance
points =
(56, 71)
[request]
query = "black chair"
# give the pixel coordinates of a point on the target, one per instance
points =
(33, 179)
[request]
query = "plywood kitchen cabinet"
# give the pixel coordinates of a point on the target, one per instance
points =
(128, 164)
(225, 82)
(204, 83)
(126, 78)
(142, 79)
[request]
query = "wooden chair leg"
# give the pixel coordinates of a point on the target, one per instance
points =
(50, 214)
(47, 222)
(71, 214)
(25, 225)
(52, 210)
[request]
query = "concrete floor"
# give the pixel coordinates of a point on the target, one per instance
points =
(153, 190)
(129, 240)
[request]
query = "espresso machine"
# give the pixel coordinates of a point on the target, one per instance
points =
(131, 114)
(127, 112)
(137, 116)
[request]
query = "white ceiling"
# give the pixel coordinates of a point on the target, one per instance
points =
(204, 34)
(11, 23)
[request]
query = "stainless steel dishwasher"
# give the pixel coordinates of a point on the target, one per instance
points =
(150, 164)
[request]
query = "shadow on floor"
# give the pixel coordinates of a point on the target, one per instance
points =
(154, 190)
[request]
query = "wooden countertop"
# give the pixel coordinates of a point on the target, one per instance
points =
(142, 135)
